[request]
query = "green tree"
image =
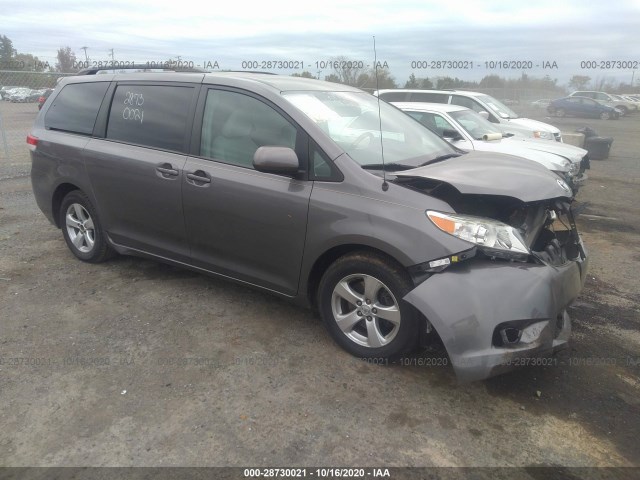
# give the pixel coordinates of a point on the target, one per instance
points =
(347, 71)
(304, 74)
(448, 82)
(578, 82)
(30, 62)
(492, 81)
(426, 84)
(367, 80)
(66, 60)
(412, 82)
(6, 48)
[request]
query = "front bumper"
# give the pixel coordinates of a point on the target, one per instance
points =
(468, 304)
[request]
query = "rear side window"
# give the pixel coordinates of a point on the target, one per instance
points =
(76, 107)
(429, 97)
(150, 115)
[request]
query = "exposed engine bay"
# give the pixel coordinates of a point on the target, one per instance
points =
(546, 226)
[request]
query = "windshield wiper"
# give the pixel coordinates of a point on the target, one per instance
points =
(441, 158)
(391, 167)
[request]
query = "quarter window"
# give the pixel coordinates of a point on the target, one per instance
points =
(393, 96)
(151, 115)
(75, 109)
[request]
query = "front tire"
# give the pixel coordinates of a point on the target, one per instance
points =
(360, 300)
(605, 116)
(82, 230)
(560, 112)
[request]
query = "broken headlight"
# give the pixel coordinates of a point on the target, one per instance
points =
(494, 238)
(574, 168)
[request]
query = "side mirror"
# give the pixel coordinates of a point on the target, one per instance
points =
(484, 114)
(276, 160)
(451, 134)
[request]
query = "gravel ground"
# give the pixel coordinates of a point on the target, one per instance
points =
(137, 363)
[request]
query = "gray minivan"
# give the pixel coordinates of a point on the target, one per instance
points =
(318, 193)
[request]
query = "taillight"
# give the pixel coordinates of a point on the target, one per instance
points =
(32, 142)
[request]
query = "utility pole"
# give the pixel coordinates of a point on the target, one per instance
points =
(85, 54)
(111, 50)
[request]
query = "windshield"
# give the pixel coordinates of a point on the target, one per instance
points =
(497, 106)
(351, 120)
(474, 124)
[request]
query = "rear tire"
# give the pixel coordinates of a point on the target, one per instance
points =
(82, 230)
(360, 300)
(605, 116)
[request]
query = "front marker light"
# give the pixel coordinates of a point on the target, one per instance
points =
(494, 238)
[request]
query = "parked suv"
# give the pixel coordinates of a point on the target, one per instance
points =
(281, 183)
(494, 110)
(619, 103)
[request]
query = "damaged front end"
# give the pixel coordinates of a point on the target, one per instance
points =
(503, 302)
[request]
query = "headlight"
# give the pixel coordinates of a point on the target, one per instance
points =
(494, 238)
(574, 168)
(541, 134)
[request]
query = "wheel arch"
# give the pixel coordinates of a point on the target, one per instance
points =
(331, 255)
(59, 193)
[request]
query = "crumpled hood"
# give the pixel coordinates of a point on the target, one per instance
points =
(485, 173)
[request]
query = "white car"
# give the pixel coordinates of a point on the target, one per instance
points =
(493, 110)
(468, 131)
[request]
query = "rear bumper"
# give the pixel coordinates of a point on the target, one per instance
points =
(470, 304)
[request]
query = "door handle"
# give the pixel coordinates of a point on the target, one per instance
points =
(167, 169)
(199, 176)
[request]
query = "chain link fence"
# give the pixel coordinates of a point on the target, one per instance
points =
(20, 92)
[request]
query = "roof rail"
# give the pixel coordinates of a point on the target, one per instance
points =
(168, 68)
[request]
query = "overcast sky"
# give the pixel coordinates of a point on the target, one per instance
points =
(565, 32)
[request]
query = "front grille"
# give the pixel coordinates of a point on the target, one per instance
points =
(558, 136)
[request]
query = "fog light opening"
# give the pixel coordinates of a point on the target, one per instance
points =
(510, 335)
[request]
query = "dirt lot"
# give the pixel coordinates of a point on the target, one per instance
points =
(136, 363)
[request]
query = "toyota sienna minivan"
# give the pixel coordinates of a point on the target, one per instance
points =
(319, 193)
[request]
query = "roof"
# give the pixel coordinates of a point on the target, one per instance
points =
(419, 90)
(284, 83)
(280, 83)
(424, 106)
